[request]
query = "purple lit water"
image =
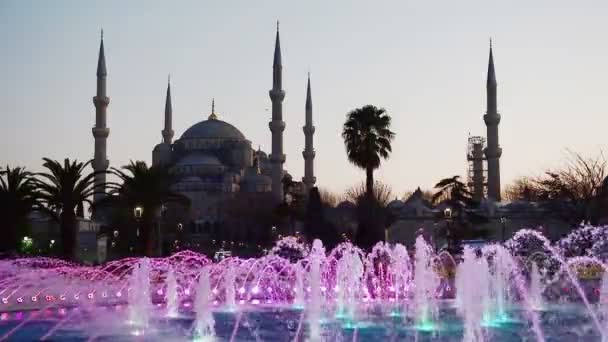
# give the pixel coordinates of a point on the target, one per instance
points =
(345, 294)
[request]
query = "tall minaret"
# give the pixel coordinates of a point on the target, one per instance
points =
(168, 130)
(492, 119)
(309, 178)
(100, 131)
(277, 125)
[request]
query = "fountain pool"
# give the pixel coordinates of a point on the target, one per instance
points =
(302, 293)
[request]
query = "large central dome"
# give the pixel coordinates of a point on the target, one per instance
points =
(213, 129)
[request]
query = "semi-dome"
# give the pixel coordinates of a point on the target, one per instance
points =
(213, 129)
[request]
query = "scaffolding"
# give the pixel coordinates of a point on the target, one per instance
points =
(477, 175)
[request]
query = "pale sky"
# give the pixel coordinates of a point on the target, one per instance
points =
(424, 61)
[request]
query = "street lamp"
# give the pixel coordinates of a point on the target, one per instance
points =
(138, 212)
(447, 214)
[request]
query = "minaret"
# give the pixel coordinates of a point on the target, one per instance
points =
(277, 125)
(168, 131)
(492, 119)
(309, 178)
(100, 131)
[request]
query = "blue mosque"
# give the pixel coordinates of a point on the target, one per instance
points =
(212, 159)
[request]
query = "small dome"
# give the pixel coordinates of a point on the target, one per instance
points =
(213, 129)
(162, 147)
(199, 159)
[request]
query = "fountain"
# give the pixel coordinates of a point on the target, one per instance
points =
(473, 294)
(303, 292)
(229, 288)
(317, 256)
(172, 298)
(348, 283)
(401, 269)
(298, 288)
(203, 322)
(426, 283)
(139, 295)
(536, 288)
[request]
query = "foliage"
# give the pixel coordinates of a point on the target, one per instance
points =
(522, 189)
(18, 195)
(328, 198)
(63, 188)
(576, 192)
(148, 188)
(294, 200)
(454, 191)
(316, 226)
(372, 214)
(382, 193)
(367, 138)
(26, 246)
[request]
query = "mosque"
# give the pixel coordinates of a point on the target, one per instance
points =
(212, 159)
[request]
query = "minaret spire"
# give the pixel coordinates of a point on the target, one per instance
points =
(492, 119)
(277, 125)
(168, 130)
(100, 130)
(101, 61)
(309, 178)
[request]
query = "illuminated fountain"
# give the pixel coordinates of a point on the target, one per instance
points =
(536, 288)
(303, 292)
(172, 298)
(140, 302)
(426, 284)
(204, 321)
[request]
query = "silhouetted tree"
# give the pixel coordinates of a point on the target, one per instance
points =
(367, 138)
(62, 189)
(316, 226)
(18, 197)
(148, 188)
(328, 198)
(577, 191)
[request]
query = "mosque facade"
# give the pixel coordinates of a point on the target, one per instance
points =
(212, 159)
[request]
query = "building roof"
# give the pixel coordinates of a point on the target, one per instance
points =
(213, 129)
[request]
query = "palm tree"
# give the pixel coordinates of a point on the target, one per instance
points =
(146, 188)
(367, 137)
(63, 190)
(18, 195)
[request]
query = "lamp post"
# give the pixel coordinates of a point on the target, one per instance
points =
(503, 221)
(138, 213)
(447, 214)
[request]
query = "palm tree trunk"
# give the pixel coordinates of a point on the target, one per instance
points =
(68, 234)
(369, 182)
(146, 233)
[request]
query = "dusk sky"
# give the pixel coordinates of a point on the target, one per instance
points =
(424, 61)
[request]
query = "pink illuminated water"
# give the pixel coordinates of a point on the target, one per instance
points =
(343, 284)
